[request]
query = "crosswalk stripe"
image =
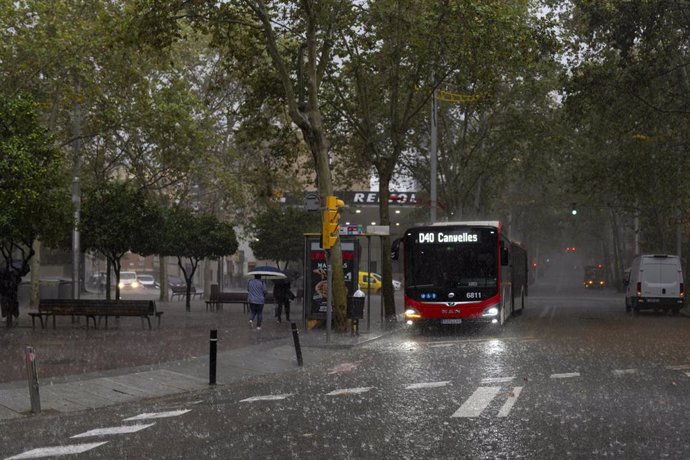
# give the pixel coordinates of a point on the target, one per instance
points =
(619, 372)
(349, 391)
(57, 450)
(147, 416)
(680, 367)
(565, 375)
(510, 402)
(267, 398)
(113, 430)
(417, 386)
(476, 403)
(498, 379)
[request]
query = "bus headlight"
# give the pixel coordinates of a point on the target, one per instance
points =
(493, 311)
(412, 313)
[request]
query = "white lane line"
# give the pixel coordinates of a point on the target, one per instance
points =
(152, 415)
(417, 386)
(450, 343)
(58, 450)
(267, 398)
(349, 391)
(512, 399)
(680, 367)
(113, 430)
(619, 372)
(498, 379)
(566, 375)
(476, 403)
(344, 367)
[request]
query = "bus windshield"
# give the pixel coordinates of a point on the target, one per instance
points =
(451, 258)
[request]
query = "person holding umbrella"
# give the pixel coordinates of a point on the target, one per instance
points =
(256, 297)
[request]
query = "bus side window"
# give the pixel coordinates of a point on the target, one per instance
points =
(505, 255)
(395, 249)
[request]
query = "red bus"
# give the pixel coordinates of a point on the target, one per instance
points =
(462, 271)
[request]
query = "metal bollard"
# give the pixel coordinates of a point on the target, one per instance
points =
(298, 349)
(212, 357)
(32, 375)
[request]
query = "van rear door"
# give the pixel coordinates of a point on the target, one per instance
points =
(661, 278)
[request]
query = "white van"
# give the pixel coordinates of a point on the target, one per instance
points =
(654, 282)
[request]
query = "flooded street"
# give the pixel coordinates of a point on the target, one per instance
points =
(573, 376)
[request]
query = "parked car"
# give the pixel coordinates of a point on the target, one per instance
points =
(367, 281)
(147, 281)
(128, 280)
(175, 281)
(396, 284)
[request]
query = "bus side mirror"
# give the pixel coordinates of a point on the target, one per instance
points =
(395, 249)
(505, 256)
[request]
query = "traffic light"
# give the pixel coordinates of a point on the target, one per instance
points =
(573, 209)
(330, 221)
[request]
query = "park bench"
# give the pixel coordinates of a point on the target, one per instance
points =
(181, 292)
(94, 308)
(218, 298)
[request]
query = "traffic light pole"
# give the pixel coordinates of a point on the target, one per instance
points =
(329, 301)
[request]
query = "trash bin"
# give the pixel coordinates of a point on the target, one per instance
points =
(355, 307)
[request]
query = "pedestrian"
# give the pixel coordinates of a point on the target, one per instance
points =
(357, 309)
(282, 294)
(256, 295)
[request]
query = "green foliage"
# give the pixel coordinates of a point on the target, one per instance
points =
(279, 233)
(33, 183)
(192, 237)
(33, 193)
(117, 217)
(195, 236)
(627, 100)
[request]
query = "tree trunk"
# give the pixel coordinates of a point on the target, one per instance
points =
(386, 262)
(36, 276)
(163, 277)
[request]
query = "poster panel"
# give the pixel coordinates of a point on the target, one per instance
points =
(317, 276)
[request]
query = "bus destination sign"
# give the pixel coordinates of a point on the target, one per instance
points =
(442, 237)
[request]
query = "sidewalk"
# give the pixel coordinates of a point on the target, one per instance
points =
(82, 369)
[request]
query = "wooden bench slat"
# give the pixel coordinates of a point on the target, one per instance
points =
(92, 308)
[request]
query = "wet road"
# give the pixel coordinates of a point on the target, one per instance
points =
(574, 376)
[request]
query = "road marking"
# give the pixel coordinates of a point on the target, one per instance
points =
(566, 375)
(619, 372)
(450, 343)
(344, 367)
(416, 386)
(688, 374)
(113, 430)
(58, 450)
(147, 416)
(680, 367)
(497, 379)
(267, 398)
(349, 391)
(512, 399)
(476, 403)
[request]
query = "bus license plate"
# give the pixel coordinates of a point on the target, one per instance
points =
(451, 321)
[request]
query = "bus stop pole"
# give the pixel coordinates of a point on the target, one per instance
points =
(368, 284)
(329, 304)
(383, 324)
